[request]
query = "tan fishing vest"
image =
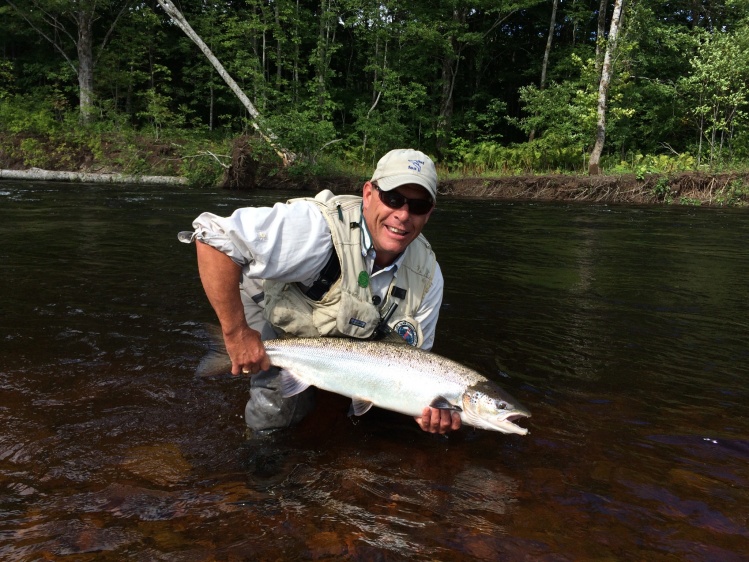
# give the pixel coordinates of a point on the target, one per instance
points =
(347, 308)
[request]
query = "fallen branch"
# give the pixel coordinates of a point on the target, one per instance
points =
(202, 153)
(88, 177)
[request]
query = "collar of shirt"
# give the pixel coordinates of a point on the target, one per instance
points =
(368, 252)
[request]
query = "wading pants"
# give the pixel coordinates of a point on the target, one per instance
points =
(267, 409)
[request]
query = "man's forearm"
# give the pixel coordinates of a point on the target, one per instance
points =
(220, 277)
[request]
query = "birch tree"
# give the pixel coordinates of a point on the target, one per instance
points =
(603, 88)
(286, 156)
(600, 33)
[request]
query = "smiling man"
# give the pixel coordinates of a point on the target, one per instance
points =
(325, 266)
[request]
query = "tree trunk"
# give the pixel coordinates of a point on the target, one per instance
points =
(277, 17)
(600, 33)
(84, 43)
(444, 124)
(449, 75)
(325, 42)
(85, 46)
(286, 156)
(547, 51)
(603, 89)
(37, 174)
(549, 39)
(295, 80)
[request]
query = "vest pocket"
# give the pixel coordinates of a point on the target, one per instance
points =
(356, 318)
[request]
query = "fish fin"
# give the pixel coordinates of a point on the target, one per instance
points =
(216, 361)
(441, 403)
(359, 406)
(291, 385)
(213, 363)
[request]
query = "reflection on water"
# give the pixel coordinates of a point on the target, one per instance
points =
(623, 329)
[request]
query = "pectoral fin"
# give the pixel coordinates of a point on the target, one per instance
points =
(441, 403)
(291, 385)
(359, 406)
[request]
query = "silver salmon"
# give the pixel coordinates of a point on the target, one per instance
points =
(392, 376)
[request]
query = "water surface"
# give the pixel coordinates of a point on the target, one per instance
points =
(625, 330)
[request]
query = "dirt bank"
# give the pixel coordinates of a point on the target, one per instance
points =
(154, 158)
(693, 188)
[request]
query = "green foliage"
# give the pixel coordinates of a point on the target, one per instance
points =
(482, 125)
(377, 132)
(6, 78)
(644, 165)
(158, 104)
(33, 153)
(563, 111)
(718, 89)
(355, 79)
(303, 132)
(566, 112)
(203, 167)
(662, 190)
(690, 201)
(734, 194)
(22, 114)
(488, 157)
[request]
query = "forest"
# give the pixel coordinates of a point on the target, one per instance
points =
(485, 86)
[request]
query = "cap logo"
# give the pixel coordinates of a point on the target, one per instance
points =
(416, 165)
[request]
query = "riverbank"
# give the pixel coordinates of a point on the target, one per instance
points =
(692, 188)
(686, 188)
(146, 161)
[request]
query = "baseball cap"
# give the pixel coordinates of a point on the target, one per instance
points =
(403, 166)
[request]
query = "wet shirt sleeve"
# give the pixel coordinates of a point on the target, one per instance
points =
(289, 243)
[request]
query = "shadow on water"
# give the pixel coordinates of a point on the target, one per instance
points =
(623, 329)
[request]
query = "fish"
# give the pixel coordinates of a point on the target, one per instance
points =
(392, 376)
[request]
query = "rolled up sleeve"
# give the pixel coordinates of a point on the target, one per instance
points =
(289, 243)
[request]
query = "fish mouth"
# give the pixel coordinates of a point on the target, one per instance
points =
(508, 424)
(505, 422)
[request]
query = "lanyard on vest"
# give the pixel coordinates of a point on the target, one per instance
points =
(383, 329)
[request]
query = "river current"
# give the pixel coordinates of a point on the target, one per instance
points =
(624, 329)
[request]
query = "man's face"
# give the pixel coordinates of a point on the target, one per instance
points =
(392, 230)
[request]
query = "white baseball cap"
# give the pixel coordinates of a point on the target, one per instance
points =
(406, 166)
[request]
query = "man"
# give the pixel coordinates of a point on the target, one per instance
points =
(329, 266)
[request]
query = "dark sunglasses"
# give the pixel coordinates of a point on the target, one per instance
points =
(395, 200)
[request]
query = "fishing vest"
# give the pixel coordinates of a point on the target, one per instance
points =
(346, 309)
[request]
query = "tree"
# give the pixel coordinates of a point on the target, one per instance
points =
(65, 25)
(603, 88)
(547, 50)
(718, 88)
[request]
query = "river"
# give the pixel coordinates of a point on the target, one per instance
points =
(624, 329)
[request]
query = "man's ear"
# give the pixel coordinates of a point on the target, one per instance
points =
(367, 192)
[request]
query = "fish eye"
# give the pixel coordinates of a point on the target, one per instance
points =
(502, 405)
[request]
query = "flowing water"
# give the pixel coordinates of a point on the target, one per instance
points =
(625, 330)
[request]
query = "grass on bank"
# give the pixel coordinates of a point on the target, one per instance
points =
(40, 138)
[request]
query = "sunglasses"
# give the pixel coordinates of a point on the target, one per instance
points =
(395, 200)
